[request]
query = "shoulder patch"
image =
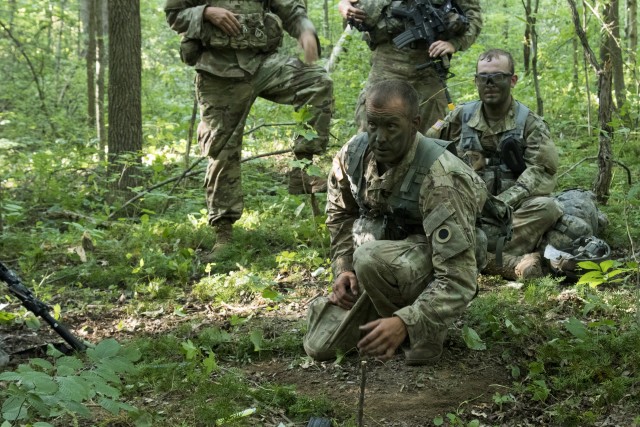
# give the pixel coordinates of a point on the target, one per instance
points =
(443, 234)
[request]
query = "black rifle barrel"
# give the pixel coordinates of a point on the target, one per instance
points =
(37, 307)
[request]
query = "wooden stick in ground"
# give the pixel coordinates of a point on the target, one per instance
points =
(363, 383)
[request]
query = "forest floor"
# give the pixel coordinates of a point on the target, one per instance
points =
(462, 382)
(395, 394)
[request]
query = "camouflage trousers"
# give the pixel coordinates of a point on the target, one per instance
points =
(391, 275)
(387, 63)
(225, 104)
(532, 218)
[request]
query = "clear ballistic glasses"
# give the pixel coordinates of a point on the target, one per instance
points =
(495, 78)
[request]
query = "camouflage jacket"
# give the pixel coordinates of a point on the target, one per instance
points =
(186, 18)
(540, 154)
(451, 196)
(382, 26)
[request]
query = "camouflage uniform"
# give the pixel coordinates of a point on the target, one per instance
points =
(229, 80)
(427, 278)
(389, 62)
(534, 213)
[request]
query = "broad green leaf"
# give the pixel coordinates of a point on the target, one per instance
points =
(119, 365)
(42, 382)
(69, 363)
(589, 265)
(438, 421)
(44, 364)
(472, 339)
(10, 376)
(42, 424)
(608, 264)
(32, 322)
(269, 293)
(74, 388)
(257, 339)
(576, 328)
(110, 405)
(108, 374)
(132, 354)
(189, 349)
(14, 408)
(104, 349)
(76, 407)
(210, 363)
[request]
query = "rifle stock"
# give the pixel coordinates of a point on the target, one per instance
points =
(37, 307)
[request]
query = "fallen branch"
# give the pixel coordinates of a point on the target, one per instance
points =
(622, 165)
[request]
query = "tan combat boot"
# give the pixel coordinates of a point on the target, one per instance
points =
(528, 266)
(425, 353)
(300, 182)
(224, 236)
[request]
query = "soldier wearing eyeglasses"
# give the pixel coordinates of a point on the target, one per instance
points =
(511, 148)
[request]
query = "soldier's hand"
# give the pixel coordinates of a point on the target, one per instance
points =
(348, 10)
(383, 337)
(309, 45)
(223, 19)
(345, 290)
(441, 48)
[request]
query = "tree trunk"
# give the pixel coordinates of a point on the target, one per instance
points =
(576, 63)
(612, 18)
(125, 111)
(101, 66)
(603, 180)
(90, 59)
(325, 20)
(631, 32)
(534, 59)
(526, 46)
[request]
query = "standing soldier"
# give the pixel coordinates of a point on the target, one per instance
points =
(233, 45)
(424, 65)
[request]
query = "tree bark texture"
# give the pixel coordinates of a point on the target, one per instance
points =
(614, 45)
(526, 43)
(90, 59)
(603, 180)
(125, 111)
(101, 66)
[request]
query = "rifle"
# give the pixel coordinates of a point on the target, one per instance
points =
(430, 25)
(37, 307)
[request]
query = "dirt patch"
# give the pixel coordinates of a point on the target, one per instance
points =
(397, 395)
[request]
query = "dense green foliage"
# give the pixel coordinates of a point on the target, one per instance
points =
(571, 351)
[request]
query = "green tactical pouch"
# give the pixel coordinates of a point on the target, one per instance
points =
(260, 31)
(190, 50)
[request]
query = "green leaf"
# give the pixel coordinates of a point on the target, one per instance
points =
(130, 353)
(119, 365)
(32, 322)
(472, 339)
(576, 328)
(589, 265)
(44, 364)
(189, 349)
(210, 363)
(74, 388)
(14, 408)
(105, 349)
(269, 293)
(76, 407)
(110, 405)
(42, 382)
(438, 421)
(257, 339)
(42, 424)
(608, 264)
(108, 374)
(10, 376)
(67, 365)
